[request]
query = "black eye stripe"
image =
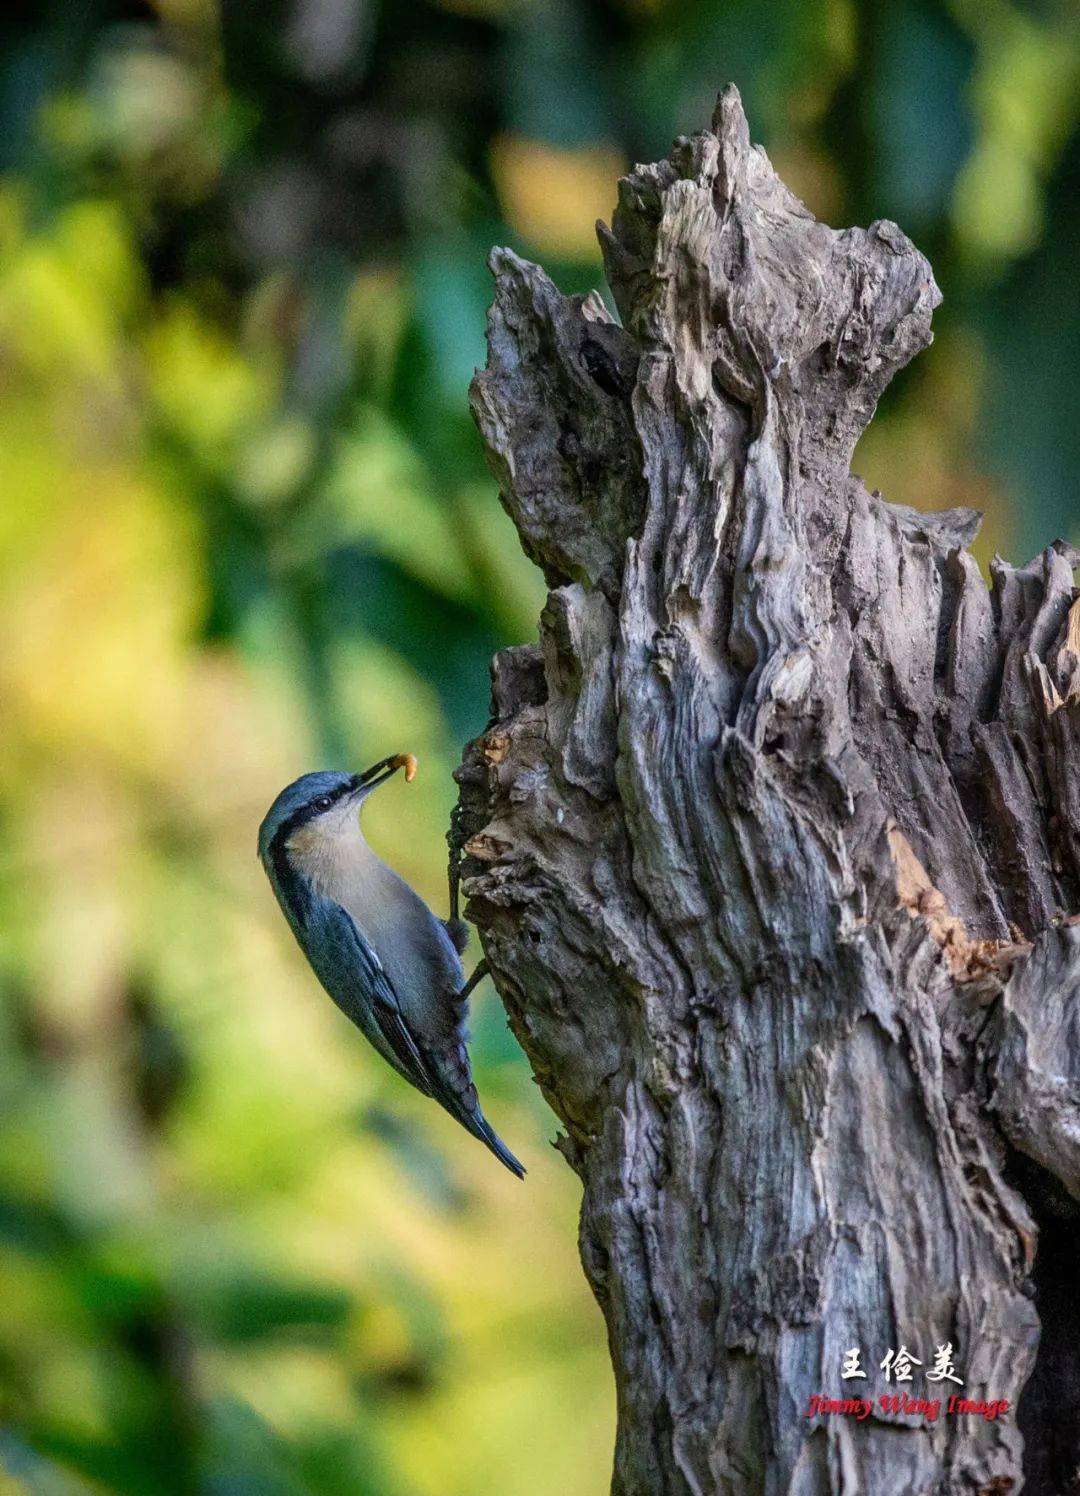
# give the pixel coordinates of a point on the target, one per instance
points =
(277, 855)
(324, 801)
(315, 807)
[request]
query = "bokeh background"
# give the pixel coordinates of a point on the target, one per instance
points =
(245, 530)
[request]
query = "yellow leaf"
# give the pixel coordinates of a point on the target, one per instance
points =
(553, 195)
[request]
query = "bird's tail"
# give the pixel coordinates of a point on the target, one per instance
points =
(480, 1127)
(473, 1119)
(451, 1085)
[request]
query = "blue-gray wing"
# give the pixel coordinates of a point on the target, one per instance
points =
(348, 966)
(357, 981)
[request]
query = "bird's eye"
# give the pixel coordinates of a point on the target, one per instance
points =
(324, 802)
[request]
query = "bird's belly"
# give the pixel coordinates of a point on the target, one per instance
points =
(419, 960)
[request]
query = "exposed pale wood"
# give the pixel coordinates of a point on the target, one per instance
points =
(769, 844)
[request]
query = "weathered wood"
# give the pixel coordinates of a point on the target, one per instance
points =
(769, 844)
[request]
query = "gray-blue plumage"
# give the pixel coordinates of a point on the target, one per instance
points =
(390, 965)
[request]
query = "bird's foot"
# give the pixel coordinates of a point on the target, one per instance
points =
(480, 971)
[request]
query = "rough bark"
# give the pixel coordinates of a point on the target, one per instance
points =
(772, 843)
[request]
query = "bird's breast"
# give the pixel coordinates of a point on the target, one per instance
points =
(415, 952)
(331, 864)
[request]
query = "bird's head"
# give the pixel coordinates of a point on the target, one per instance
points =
(328, 801)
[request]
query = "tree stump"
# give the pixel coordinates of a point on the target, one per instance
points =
(773, 843)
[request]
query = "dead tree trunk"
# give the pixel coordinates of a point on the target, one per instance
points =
(772, 844)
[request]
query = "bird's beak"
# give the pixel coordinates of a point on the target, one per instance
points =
(385, 769)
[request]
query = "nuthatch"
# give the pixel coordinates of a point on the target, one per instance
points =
(386, 960)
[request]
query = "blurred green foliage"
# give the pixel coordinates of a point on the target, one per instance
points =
(246, 530)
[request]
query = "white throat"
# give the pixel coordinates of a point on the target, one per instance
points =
(331, 852)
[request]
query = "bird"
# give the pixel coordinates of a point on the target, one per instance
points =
(390, 964)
